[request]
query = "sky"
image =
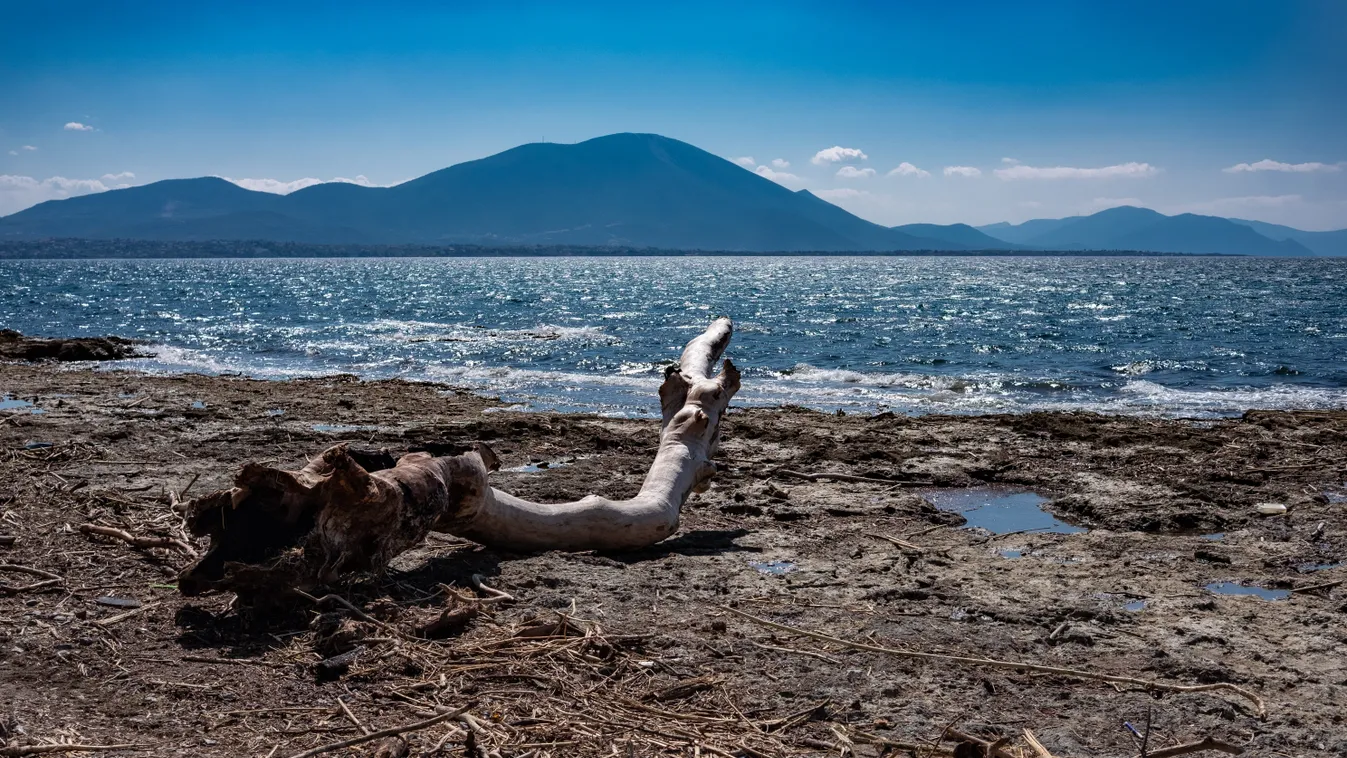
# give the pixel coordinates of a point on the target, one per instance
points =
(965, 112)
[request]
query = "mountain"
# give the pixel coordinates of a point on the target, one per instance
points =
(639, 190)
(1131, 228)
(622, 190)
(1321, 243)
(962, 235)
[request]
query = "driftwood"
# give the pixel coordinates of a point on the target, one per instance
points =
(275, 530)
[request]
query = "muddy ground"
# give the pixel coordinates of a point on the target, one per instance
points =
(1171, 506)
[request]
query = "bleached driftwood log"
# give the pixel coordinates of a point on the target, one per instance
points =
(278, 529)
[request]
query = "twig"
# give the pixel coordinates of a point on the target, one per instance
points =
(1324, 586)
(110, 620)
(48, 579)
(904, 544)
(809, 653)
(493, 595)
(1148, 684)
(137, 540)
(1037, 746)
(1209, 743)
(390, 732)
(346, 710)
(928, 530)
(19, 750)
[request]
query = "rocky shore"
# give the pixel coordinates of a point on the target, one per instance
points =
(1127, 547)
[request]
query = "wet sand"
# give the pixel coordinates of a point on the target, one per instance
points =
(1148, 513)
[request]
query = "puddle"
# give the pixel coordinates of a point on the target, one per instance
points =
(1012, 553)
(1214, 536)
(274, 412)
(1306, 568)
(1336, 496)
(10, 403)
(343, 428)
(1129, 603)
(1235, 588)
(540, 466)
(200, 405)
(775, 568)
(1000, 510)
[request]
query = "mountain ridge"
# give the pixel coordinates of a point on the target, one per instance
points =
(623, 190)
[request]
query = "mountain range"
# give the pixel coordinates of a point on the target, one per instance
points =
(635, 190)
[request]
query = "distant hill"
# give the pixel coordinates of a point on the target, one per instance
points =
(957, 234)
(1321, 243)
(624, 189)
(1131, 228)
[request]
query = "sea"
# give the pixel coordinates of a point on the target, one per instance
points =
(1150, 336)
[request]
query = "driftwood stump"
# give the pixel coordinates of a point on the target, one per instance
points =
(275, 530)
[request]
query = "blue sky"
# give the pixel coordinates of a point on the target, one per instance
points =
(1061, 108)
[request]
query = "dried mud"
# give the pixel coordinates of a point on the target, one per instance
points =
(667, 671)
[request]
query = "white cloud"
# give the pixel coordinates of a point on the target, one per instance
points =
(1270, 165)
(1131, 170)
(840, 193)
(837, 154)
(746, 161)
(30, 148)
(962, 171)
(19, 192)
(851, 172)
(118, 178)
(780, 163)
(75, 126)
(278, 187)
(1010, 161)
(907, 169)
(780, 177)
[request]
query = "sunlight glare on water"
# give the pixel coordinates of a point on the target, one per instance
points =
(1161, 336)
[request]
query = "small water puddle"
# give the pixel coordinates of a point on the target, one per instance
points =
(1214, 537)
(1306, 568)
(538, 466)
(1000, 510)
(274, 412)
(11, 403)
(775, 568)
(1336, 496)
(1235, 588)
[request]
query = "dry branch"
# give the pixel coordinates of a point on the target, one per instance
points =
(136, 540)
(275, 529)
(1147, 684)
(48, 579)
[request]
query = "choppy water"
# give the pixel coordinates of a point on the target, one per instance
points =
(1187, 337)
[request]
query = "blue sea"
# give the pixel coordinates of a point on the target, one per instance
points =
(1193, 337)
